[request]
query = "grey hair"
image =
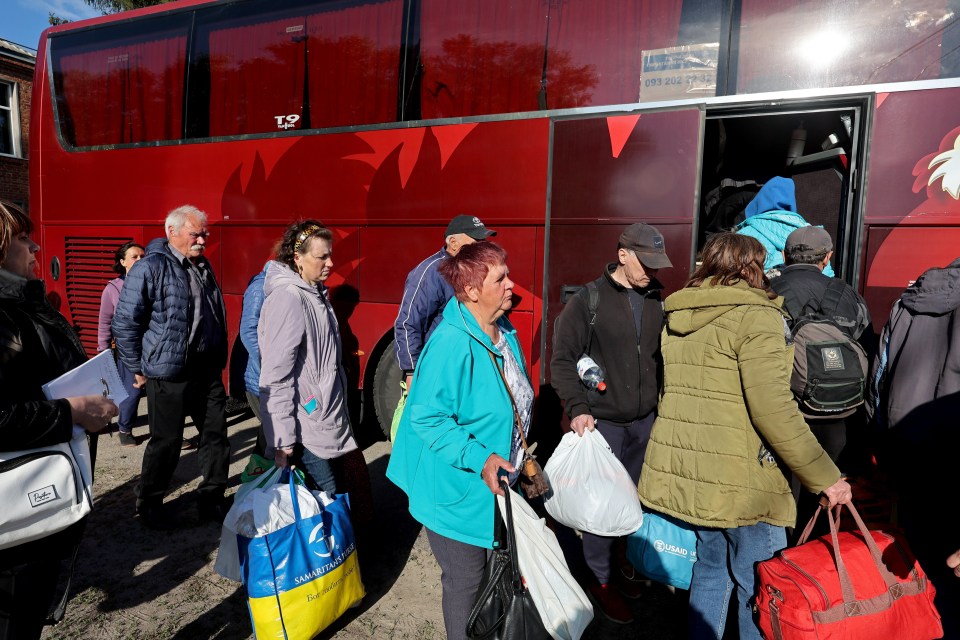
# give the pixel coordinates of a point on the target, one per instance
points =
(178, 217)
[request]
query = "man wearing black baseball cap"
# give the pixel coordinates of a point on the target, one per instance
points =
(616, 321)
(425, 293)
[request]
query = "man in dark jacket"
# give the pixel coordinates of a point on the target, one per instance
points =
(914, 401)
(170, 328)
(425, 293)
(625, 342)
(804, 287)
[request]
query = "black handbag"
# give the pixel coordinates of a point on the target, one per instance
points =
(504, 609)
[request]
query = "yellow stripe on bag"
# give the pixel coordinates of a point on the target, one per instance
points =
(309, 607)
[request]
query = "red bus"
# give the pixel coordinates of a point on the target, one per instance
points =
(557, 122)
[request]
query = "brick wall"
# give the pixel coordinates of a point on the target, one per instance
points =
(13, 171)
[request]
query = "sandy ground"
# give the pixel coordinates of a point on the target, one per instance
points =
(134, 583)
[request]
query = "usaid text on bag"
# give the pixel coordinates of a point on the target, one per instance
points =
(664, 549)
(302, 577)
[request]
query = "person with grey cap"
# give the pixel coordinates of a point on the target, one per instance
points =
(807, 289)
(623, 337)
(425, 293)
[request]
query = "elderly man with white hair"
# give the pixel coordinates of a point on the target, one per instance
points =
(170, 329)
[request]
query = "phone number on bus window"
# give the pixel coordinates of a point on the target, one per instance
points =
(704, 79)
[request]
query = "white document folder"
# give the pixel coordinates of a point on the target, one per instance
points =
(97, 376)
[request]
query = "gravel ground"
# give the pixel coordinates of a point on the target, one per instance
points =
(134, 583)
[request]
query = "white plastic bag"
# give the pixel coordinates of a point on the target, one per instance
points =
(563, 606)
(261, 506)
(590, 489)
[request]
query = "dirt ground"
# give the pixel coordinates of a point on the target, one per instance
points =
(131, 582)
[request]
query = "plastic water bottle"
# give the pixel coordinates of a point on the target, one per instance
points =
(590, 373)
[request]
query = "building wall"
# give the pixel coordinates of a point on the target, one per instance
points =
(14, 183)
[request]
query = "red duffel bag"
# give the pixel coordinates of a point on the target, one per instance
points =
(847, 585)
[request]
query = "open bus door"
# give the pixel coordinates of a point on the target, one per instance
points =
(608, 172)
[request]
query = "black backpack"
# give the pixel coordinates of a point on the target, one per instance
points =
(591, 294)
(829, 365)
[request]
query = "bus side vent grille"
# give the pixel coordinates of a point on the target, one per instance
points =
(88, 262)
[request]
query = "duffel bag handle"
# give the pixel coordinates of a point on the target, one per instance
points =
(846, 585)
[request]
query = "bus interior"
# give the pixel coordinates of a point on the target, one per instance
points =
(816, 146)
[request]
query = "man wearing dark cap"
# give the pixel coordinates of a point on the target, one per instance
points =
(616, 320)
(426, 292)
(805, 289)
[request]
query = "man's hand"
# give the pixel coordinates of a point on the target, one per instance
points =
(839, 493)
(583, 422)
(93, 412)
(408, 379)
(139, 380)
(953, 561)
(491, 472)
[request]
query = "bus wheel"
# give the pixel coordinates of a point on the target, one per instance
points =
(386, 388)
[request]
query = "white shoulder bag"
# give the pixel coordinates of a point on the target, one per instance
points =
(44, 490)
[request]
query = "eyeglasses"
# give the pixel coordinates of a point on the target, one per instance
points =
(306, 233)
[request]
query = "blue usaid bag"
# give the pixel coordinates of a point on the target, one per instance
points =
(664, 549)
(302, 577)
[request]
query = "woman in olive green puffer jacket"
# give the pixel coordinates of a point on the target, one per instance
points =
(728, 430)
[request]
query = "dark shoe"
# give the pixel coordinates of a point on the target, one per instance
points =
(610, 604)
(190, 443)
(214, 510)
(128, 440)
(154, 516)
(630, 584)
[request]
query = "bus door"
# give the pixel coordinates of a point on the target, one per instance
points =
(816, 145)
(608, 172)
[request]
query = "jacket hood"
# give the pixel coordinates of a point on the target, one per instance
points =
(777, 195)
(280, 275)
(158, 245)
(773, 226)
(693, 308)
(460, 317)
(936, 292)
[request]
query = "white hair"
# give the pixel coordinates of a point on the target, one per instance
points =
(178, 217)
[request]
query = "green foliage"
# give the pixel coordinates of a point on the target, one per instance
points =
(115, 6)
(54, 19)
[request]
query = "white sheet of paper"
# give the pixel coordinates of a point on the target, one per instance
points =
(96, 376)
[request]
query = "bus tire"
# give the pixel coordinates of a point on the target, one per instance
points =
(386, 388)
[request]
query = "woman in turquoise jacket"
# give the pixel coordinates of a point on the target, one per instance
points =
(458, 433)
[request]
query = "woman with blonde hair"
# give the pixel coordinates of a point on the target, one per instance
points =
(728, 432)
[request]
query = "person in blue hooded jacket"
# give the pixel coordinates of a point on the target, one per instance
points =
(771, 216)
(458, 433)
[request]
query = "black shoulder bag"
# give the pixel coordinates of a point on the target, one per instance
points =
(504, 609)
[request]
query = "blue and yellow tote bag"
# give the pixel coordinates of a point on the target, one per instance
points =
(301, 578)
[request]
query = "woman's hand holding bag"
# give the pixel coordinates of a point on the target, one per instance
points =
(590, 489)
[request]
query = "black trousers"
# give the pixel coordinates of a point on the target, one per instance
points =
(201, 396)
(832, 436)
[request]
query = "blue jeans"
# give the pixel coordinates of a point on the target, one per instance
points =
(727, 558)
(130, 406)
(319, 470)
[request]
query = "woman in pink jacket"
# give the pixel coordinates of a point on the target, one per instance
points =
(126, 256)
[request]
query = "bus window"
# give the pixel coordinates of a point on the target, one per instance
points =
(270, 69)
(480, 57)
(595, 48)
(832, 43)
(121, 84)
(500, 56)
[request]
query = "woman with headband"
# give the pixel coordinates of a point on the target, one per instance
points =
(303, 385)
